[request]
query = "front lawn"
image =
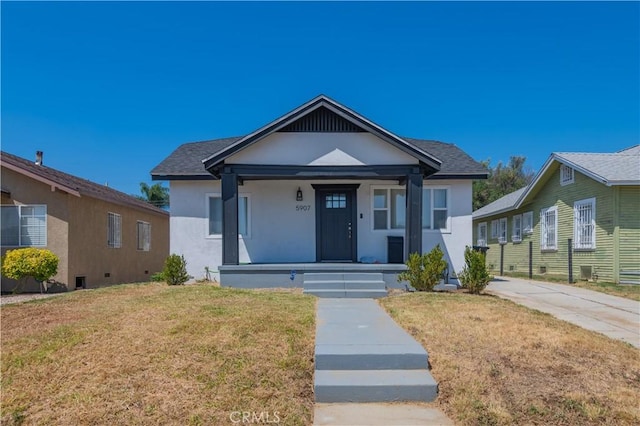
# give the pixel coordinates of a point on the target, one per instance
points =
(498, 363)
(154, 354)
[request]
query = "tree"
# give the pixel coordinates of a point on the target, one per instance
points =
(20, 264)
(502, 180)
(156, 194)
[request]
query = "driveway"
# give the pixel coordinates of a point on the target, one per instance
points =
(616, 317)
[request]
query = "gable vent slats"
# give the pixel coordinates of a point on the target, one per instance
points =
(322, 120)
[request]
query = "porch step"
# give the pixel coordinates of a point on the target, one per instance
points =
(374, 385)
(345, 284)
(402, 356)
(351, 294)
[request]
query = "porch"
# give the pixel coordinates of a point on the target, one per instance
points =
(291, 275)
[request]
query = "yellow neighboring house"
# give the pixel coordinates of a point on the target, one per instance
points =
(101, 236)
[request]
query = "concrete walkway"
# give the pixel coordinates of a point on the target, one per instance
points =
(369, 371)
(616, 317)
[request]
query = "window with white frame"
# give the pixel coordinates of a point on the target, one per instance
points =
(214, 207)
(24, 226)
(144, 235)
(435, 208)
(482, 235)
(494, 229)
(502, 231)
(114, 230)
(527, 223)
(389, 208)
(584, 224)
(516, 232)
(566, 175)
(549, 228)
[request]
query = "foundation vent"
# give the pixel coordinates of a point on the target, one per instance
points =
(586, 273)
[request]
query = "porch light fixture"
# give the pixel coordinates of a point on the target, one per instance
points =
(299, 195)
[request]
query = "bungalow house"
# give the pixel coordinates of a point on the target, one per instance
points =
(101, 236)
(579, 212)
(321, 188)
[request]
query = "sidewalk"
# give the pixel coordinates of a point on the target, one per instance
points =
(368, 370)
(613, 316)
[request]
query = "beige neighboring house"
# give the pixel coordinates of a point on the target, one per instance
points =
(101, 236)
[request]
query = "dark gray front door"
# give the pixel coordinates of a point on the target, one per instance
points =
(336, 225)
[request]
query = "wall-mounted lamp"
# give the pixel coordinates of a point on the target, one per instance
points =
(299, 195)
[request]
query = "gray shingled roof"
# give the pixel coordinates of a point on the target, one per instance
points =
(82, 186)
(186, 160)
(505, 203)
(610, 168)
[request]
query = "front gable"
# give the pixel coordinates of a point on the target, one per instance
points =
(322, 126)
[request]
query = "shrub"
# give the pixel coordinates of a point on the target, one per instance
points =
(158, 276)
(175, 270)
(424, 271)
(474, 276)
(20, 264)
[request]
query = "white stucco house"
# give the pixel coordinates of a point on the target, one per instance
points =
(320, 188)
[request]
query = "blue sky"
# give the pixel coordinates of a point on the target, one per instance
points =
(108, 90)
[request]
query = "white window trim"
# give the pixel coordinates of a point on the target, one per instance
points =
(46, 229)
(564, 170)
(576, 244)
(148, 245)
(482, 242)
(527, 217)
(247, 195)
(388, 189)
(502, 230)
(543, 224)
(516, 232)
(446, 230)
(117, 243)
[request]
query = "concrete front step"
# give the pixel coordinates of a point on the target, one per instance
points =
(353, 294)
(371, 357)
(343, 276)
(374, 385)
(344, 285)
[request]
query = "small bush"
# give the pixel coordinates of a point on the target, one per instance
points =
(474, 276)
(20, 264)
(424, 271)
(175, 270)
(158, 277)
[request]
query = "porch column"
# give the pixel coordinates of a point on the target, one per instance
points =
(413, 228)
(230, 252)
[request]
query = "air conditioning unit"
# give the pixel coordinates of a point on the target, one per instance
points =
(481, 243)
(516, 238)
(502, 240)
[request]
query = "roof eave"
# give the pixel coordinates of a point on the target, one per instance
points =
(35, 176)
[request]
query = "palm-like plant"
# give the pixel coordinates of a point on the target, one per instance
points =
(156, 194)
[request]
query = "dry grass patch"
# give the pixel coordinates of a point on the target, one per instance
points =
(498, 363)
(153, 354)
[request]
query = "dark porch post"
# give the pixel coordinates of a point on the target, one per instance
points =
(230, 252)
(413, 228)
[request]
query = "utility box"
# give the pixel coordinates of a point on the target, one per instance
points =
(395, 249)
